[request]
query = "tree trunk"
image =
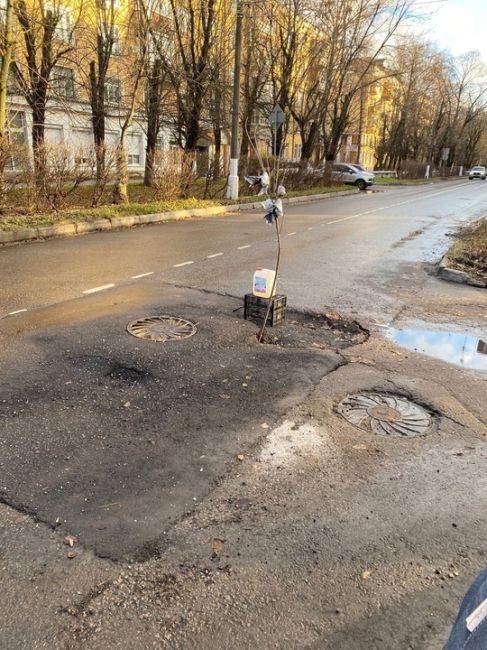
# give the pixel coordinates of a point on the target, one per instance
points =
(153, 120)
(5, 67)
(329, 161)
(193, 131)
(217, 156)
(97, 92)
(120, 188)
(150, 160)
(308, 140)
(38, 138)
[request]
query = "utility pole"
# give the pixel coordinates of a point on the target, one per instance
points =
(232, 189)
(6, 54)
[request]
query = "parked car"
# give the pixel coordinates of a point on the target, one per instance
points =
(352, 175)
(477, 172)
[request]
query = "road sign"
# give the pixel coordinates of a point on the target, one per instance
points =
(277, 116)
(445, 152)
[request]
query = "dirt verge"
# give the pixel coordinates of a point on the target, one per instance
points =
(468, 254)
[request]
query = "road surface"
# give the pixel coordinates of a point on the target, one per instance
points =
(216, 498)
(343, 250)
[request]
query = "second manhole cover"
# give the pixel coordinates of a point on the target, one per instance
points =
(162, 328)
(386, 415)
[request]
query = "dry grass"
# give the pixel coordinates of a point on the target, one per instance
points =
(469, 252)
(20, 213)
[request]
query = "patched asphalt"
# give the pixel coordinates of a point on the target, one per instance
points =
(113, 438)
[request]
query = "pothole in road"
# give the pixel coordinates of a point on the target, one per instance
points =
(456, 348)
(162, 328)
(127, 374)
(322, 331)
(386, 414)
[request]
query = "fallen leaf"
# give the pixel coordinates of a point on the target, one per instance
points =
(69, 540)
(366, 574)
(241, 457)
(332, 315)
(223, 396)
(71, 555)
(127, 404)
(217, 546)
(361, 447)
(264, 425)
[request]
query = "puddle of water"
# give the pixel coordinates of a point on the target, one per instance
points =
(459, 349)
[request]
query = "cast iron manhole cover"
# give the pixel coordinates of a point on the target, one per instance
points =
(386, 415)
(162, 328)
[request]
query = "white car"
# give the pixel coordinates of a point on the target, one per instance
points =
(352, 175)
(477, 172)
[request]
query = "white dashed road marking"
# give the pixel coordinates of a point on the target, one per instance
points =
(142, 275)
(18, 311)
(96, 289)
(291, 233)
(240, 248)
(210, 257)
(176, 266)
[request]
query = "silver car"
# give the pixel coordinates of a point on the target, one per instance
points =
(351, 175)
(477, 172)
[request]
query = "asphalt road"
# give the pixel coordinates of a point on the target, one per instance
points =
(329, 247)
(173, 452)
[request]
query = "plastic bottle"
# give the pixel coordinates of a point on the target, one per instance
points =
(263, 282)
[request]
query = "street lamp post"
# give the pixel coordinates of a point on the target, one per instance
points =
(232, 189)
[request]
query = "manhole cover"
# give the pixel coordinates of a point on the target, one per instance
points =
(386, 415)
(162, 328)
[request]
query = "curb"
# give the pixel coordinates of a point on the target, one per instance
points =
(446, 272)
(117, 223)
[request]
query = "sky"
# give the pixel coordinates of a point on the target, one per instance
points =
(457, 25)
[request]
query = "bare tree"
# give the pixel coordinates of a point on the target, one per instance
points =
(48, 29)
(191, 26)
(6, 51)
(356, 33)
(256, 64)
(131, 100)
(105, 31)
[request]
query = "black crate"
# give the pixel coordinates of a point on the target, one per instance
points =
(255, 308)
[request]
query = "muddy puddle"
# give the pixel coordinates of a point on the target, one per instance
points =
(458, 349)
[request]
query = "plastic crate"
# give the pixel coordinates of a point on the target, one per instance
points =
(255, 308)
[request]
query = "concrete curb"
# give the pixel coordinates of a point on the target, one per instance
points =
(117, 223)
(446, 272)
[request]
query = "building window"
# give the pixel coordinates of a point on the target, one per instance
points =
(117, 43)
(64, 21)
(17, 138)
(62, 82)
(133, 148)
(113, 91)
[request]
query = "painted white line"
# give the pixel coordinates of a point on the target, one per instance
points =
(310, 228)
(290, 234)
(354, 216)
(392, 205)
(210, 257)
(176, 266)
(18, 311)
(240, 248)
(96, 289)
(142, 275)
